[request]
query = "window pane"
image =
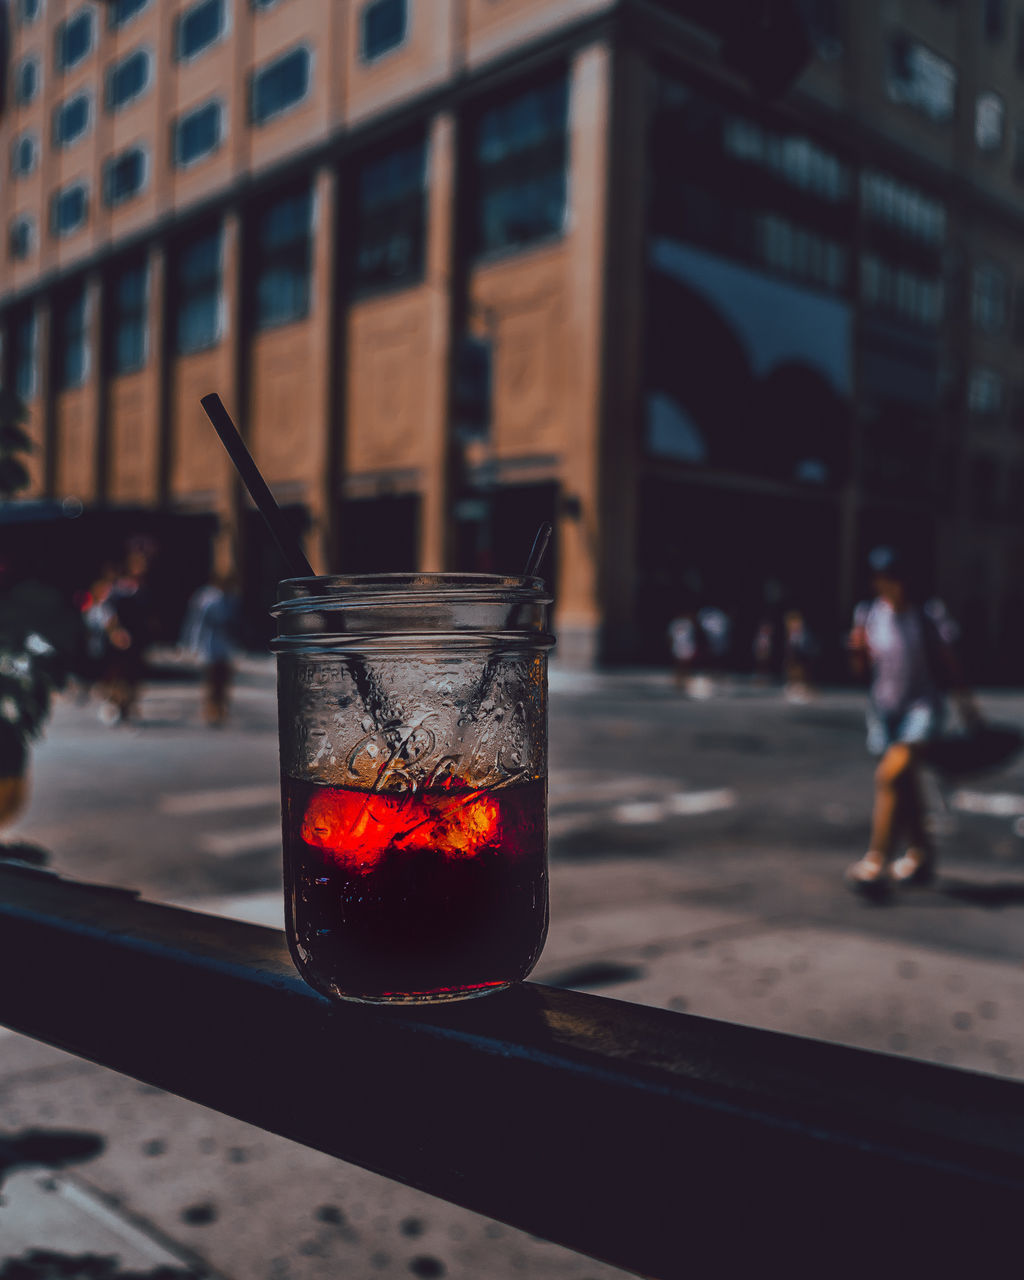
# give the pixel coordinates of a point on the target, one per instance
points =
(127, 79)
(28, 81)
(198, 134)
(22, 235)
(74, 40)
(383, 27)
(71, 342)
(391, 218)
(122, 11)
(124, 176)
(23, 335)
(280, 86)
(198, 278)
(24, 154)
(129, 319)
(199, 26)
(70, 120)
(284, 253)
(521, 155)
(989, 114)
(68, 210)
(921, 79)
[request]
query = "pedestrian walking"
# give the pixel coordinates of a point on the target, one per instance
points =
(683, 641)
(209, 634)
(800, 649)
(129, 627)
(905, 646)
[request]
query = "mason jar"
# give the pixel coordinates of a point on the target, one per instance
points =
(413, 733)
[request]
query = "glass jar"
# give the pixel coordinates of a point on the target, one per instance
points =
(413, 730)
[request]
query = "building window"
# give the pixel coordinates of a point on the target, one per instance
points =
(72, 350)
(391, 218)
(990, 291)
(26, 81)
(21, 237)
(23, 354)
(124, 176)
(70, 120)
(261, 5)
(921, 79)
(793, 250)
(520, 153)
(1018, 51)
(28, 11)
(984, 393)
(128, 79)
(905, 209)
(198, 134)
(797, 160)
(283, 252)
(68, 210)
(121, 12)
(73, 41)
(280, 85)
(198, 28)
(989, 118)
(826, 29)
(995, 19)
(198, 301)
(900, 291)
(128, 320)
(24, 155)
(382, 27)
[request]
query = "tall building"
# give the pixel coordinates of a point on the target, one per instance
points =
(457, 266)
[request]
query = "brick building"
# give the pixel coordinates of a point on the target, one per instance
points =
(460, 265)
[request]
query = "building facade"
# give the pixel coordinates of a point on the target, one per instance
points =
(457, 266)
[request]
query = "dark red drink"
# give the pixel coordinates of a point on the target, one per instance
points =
(433, 894)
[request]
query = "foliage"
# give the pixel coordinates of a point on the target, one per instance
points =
(14, 443)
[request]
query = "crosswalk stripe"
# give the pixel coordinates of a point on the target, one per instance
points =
(183, 803)
(230, 844)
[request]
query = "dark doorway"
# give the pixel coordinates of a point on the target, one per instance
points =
(380, 535)
(494, 530)
(262, 569)
(753, 555)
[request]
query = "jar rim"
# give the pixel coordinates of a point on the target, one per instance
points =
(349, 590)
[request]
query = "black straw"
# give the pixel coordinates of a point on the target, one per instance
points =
(537, 551)
(287, 543)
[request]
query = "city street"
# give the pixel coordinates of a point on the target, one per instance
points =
(697, 850)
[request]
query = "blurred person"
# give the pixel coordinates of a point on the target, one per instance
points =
(683, 640)
(763, 650)
(799, 649)
(97, 619)
(209, 633)
(905, 647)
(129, 628)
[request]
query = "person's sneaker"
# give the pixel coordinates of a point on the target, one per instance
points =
(108, 714)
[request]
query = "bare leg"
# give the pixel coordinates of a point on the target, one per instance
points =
(892, 795)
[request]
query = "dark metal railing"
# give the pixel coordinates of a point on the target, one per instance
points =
(666, 1144)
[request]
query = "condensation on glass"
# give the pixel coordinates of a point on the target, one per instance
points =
(413, 729)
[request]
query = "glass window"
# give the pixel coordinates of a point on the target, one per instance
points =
(68, 210)
(382, 27)
(122, 11)
(989, 117)
(24, 155)
(127, 79)
(284, 248)
(990, 291)
(26, 84)
(984, 393)
(1018, 52)
(796, 159)
(198, 133)
(23, 355)
(903, 208)
(198, 301)
(128, 302)
(391, 217)
(70, 120)
(995, 19)
(921, 79)
(520, 153)
(901, 291)
(28, 11)
(260, 5)
(124, 176)
(279, 85)
(73, 41)
(199, 27)
(21, 237)
(71, 351)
